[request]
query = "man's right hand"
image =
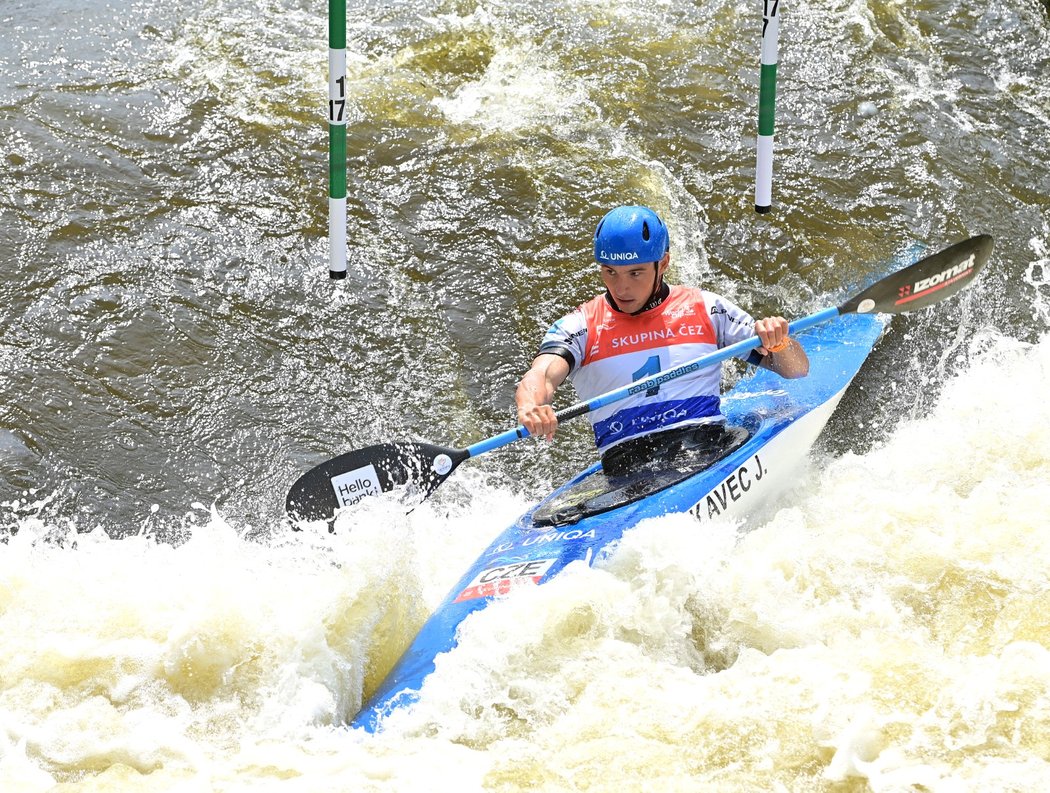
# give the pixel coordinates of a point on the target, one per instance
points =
(535, 392)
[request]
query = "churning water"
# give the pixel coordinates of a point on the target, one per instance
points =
(173, 356)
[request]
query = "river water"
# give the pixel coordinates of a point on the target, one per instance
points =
(173, 356)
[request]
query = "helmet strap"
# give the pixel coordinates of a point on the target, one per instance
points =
(655, 296)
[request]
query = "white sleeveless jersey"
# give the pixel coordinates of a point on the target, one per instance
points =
(610, 349)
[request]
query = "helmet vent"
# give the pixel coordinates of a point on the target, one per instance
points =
(645, 231)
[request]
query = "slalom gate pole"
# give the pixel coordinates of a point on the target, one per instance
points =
(767, 95)
(337, 138)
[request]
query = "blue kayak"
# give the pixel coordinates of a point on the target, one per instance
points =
(772, 423)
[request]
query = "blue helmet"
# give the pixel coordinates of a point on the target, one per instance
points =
(630, 235)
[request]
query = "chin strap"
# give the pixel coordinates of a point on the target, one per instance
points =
(654, 299)
(658, 295)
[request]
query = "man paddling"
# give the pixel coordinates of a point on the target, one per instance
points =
(639, 327)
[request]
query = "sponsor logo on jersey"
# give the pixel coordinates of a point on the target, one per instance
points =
(734, 318)
(645, 339)
(680, 321)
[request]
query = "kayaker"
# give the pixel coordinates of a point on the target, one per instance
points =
(639, 327)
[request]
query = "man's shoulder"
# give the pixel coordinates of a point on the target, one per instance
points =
(724, 310)
(693, 294)
(715, 301)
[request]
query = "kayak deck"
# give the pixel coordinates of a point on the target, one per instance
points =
(598, 492)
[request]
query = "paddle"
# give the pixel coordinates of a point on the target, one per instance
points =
(346, 479)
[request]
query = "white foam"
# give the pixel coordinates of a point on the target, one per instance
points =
(519, 89)
(889, 625)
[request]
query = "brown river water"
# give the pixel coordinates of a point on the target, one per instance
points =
(173, 355)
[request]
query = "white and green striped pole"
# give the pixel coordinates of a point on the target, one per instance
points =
(337, 138)
(767, 97)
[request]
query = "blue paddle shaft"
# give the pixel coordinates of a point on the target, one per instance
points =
(695, 365)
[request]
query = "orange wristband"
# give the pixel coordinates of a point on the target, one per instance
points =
(780, 347)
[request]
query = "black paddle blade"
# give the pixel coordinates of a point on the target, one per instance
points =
(346, 479)
(926, 282)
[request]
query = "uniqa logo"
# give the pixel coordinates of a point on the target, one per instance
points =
(620, 257)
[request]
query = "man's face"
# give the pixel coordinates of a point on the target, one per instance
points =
(631, 285)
